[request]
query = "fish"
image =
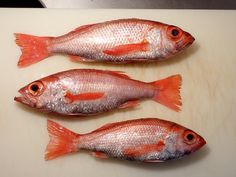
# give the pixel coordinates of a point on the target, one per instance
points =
(115, 41)
(142, 140)
(85, 92)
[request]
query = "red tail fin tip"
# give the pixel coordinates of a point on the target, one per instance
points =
(62, 141)
(34, 49)
(168, 92)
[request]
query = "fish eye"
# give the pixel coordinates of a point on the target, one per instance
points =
(36, 88)
(189, 137)
(174, 32)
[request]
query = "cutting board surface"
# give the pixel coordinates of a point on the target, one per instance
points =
(208, 95)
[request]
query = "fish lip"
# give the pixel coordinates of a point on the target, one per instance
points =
(201, 143)
(190, 39)
(22, 99)
(181, 45)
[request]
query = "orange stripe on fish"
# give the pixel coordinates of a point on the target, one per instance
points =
(144, 149)
(128, 48)
(83, 96)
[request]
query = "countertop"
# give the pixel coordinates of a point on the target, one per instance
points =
(208, 95)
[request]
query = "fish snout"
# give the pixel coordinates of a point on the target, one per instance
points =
(189, 39)
(24, 99)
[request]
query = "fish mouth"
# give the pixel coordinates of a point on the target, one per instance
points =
(23, 99)
(189, 40)
(186, 42)
(201, 143)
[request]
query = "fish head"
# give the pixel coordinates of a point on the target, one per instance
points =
(175, 40)
(185, 141)
(39, 93)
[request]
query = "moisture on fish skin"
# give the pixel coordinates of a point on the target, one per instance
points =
(123, 40)
(145, 140)
(88, 91)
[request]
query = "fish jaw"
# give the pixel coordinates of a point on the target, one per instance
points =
(24, 99)
(188, 40)
(201, 143)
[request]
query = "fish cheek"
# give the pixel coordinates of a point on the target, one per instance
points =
(39, 105)
(43, 100)
(168, 48)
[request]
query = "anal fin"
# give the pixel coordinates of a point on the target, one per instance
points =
(76, 58)
(129, 104)
(100, 155)
(153, 161)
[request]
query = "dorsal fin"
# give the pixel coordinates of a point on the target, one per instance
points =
(118, 73)
(114, 73)
(111, 125)
(106, 126)
(127, 122)
(81, 28)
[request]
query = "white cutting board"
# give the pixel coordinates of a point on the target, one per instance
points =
(208, 68)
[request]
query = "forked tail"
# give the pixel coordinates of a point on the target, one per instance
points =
(34, 49)
(168, 92)
(62, 141)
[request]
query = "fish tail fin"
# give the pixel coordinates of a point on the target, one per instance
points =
(168, 92)
(62, 141)
(34, 48)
